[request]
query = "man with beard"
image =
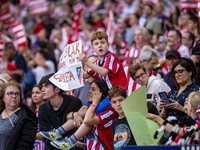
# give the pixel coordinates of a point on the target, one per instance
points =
(174, 41)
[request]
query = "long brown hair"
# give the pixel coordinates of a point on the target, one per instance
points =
(33, 105)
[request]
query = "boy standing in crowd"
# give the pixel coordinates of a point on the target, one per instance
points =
(108, 66)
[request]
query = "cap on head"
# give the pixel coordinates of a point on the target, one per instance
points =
(196, 50)
(172, 53)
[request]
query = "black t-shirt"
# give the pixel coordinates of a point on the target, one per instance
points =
(121, 134)
(50, 118)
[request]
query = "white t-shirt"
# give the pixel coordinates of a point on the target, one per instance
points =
(41, 71)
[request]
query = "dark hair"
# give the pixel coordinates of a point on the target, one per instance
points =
(178, 33)
(149, 5)
(191, 37)
(45, 81)
(3, 90)
(102, 86)
(33, 105)
(116, 91)
(42, 44)
(43, 53)
(9, 45)
(136, 15)
(188, 64)
(194, 19)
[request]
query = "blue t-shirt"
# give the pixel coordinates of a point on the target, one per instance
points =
(102, 106)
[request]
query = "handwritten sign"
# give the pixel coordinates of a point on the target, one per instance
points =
(70, 73)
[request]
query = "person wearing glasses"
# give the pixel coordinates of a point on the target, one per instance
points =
(18, 124)
(154, 85)
(183, 73)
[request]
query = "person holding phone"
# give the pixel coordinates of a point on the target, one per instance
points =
(183, 72)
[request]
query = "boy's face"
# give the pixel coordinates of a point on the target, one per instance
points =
(116, 103)
(100, 47)
(141, 77)
(48, 91)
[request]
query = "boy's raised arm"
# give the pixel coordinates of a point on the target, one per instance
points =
(100, 70)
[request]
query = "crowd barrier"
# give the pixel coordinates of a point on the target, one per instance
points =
(192, 147)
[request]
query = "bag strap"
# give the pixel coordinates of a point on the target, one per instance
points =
(104, 146)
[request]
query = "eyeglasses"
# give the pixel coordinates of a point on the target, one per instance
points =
(11, 94)
(179, 72)
(160, 42)
(137, 78)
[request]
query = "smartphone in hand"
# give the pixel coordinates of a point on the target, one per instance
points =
(164, 97)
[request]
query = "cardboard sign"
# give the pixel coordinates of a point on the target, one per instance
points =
(135, 109)
(70, 70)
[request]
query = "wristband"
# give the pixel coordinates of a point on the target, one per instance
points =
(73, 114)
(93, 105)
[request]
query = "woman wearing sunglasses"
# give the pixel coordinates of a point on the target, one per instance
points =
(18, 124)
(183, 73)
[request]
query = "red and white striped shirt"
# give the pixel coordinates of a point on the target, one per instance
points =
(132, 53)
(116, 75)
(132, 85)
(183, 50)
(103, 130)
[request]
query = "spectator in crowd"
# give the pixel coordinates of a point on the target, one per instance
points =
(174, 39)
(36, 101)
(121, 27)
(171, 57)
(133, 23)
(152, 22)
(162, 43)
(191, 108)
(172, 22)
(44, 66)
(140, 37)
(183, 72)
(154, 85)
(53, 112)
(184, 22)
(16, 62)
(129, 9)
(102, 68)
(120, 126)
(159, 13)
(18, 123)
(149, 59)
(188, 39)
(195, 56)
(193, 25)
